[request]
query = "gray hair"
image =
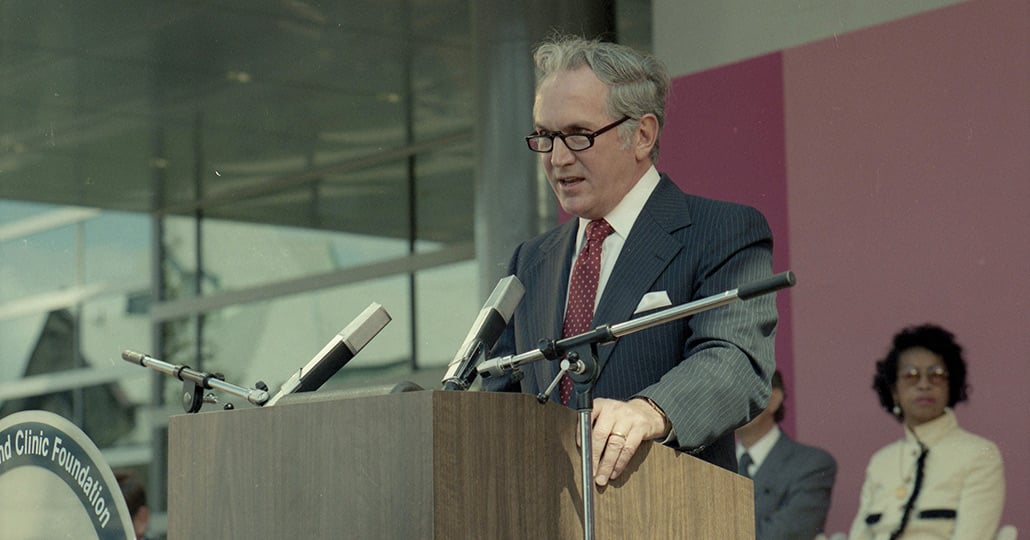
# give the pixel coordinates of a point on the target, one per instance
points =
(638, 83)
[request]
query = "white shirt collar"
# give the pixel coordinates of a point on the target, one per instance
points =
(622, 217)
(760, 450)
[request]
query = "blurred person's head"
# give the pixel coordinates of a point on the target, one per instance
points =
(772, 414)
(923, 374)
(135, 495)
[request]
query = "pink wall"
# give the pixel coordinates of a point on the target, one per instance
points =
(909, 194)
(735, 115)
(902, 152)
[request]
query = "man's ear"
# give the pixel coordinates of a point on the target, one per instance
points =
(775, 400)
(646, 136)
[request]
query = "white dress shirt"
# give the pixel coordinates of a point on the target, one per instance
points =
(760, 450)
(621, 218)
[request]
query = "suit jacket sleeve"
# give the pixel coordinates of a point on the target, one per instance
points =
(722, 378)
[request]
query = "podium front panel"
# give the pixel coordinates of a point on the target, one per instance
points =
(428, 465)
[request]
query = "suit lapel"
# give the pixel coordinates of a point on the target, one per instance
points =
(777, 456)
(550, 276)
(647, 252)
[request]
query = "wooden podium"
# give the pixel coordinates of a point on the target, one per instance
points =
(429, 465)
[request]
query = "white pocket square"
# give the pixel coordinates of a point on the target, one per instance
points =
(653, 300)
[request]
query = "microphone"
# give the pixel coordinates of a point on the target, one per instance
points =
(340, 350)
(195, 381)
(489, 325)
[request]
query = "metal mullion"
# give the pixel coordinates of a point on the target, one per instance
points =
(167, 311)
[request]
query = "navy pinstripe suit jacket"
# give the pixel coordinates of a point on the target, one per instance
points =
(710, 373)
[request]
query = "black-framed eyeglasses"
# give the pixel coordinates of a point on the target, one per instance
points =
(544, 142)
(937, 375)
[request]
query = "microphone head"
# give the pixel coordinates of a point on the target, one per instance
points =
(506, 297)
(133, 356)
(340, 350)
(487, 328)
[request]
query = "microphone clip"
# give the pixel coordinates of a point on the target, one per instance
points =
(193, 397)
(581, 365)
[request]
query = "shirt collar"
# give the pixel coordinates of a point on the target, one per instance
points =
(760, 450)
(622, 217)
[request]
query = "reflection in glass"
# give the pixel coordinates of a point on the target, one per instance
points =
(38, 263)
(270, 340)
(239, 255)
(447, 308)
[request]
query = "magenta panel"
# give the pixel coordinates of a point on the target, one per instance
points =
(909, 185)
(724, 139)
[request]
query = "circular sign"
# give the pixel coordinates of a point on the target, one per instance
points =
(54, 483)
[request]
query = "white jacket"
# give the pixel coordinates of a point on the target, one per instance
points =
(963, 489)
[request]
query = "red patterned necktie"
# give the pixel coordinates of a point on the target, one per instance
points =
(582, 290)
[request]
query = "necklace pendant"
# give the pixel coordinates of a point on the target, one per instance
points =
(901, 492)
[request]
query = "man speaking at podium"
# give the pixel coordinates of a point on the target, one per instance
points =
(639, 245)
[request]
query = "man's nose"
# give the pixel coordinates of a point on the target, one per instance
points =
(560, 154)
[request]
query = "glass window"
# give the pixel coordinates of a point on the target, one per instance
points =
(117, 250)
(239, 255)
(179, 257)
(19, 337)
(38, 263)
(447, 307)
(269, 340)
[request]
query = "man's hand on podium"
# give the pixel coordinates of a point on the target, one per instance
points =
(619, 427)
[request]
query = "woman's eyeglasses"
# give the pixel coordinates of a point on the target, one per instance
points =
(937, 375)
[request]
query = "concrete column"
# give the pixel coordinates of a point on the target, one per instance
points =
(511, 205)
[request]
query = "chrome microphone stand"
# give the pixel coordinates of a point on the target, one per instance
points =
(195, 382)
(581, 364)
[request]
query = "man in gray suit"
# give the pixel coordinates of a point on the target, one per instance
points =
(792, 481)
(598, 113)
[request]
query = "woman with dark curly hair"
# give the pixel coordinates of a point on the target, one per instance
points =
(939, 481)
